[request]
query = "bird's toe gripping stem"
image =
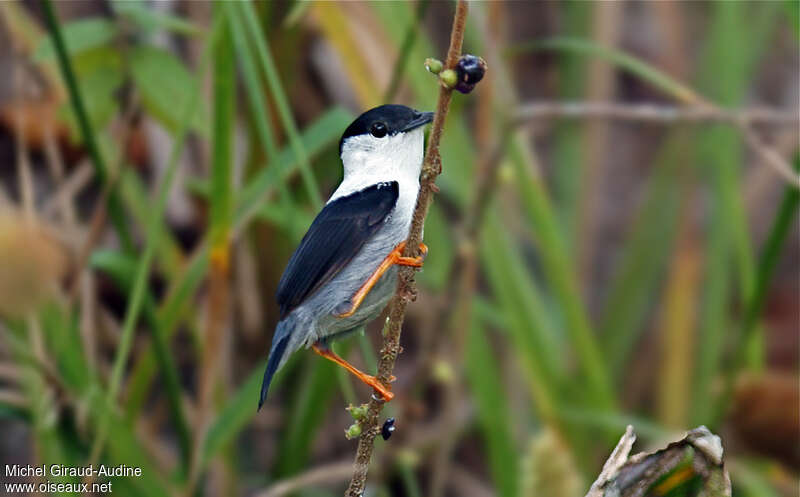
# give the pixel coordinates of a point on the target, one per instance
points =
(385, 391)
(395, 257)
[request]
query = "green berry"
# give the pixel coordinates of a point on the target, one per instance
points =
(353, 432)
(449, 78)
(358, 412)
(433, 65)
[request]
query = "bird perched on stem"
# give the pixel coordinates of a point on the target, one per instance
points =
(343, 273)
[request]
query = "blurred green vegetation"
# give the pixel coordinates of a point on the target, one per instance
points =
(556, 360)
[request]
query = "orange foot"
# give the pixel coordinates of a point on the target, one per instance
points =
(384, 391)
(349, 308)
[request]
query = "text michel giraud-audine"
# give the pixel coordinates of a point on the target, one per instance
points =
(59, 470)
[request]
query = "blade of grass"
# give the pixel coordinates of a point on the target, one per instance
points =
(493, 412)
(677, 318)
(644, 256)
(87, 133)
(569, 136)
(259, 108)
(45, 433)
(613, 422)
(138, 290)
(320, 134)
(238, 410)
(175, 308)
(750, 479)
(399, 69)
(247, 20)
(521, 303)
(725, 78)
(125, 447)
(556, 266)
(312, 397)
(219, 231)
(624, 61)
(247, 62)
(138, 204)
(333, 23)
(61, 334)
(122, 270)
(781, 226)
(760, 27)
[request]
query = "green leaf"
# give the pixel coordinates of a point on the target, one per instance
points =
(122, 270)
(323, 132)
(221, 173)
(520, 302)
(312, 397)
(165, 85)
(149, 20)
(493, 412)
(643, 259)
(90, 140)
(561, 276)
(187, 109)
(248, 20)
(100, 74)
(79, 36)
(63, 337)
(240, 408)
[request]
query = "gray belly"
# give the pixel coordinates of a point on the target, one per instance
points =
(318, 313)
(329, 324)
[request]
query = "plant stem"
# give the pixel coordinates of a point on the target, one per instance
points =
(138, 291)
(87, 133)
(431, 168)
(781, 226)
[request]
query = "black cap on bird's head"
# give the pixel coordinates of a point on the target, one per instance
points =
(386, 120)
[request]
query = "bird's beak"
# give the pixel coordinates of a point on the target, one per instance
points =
(420, 119)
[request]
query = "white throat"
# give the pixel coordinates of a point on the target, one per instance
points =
(368, 160)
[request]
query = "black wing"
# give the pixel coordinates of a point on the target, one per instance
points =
(334, 238)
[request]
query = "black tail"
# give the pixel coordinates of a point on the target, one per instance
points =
(279, 342)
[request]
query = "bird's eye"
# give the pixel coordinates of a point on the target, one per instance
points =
(378, 130)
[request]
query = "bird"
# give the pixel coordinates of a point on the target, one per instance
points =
(344, 271)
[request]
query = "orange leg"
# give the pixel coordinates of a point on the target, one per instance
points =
(379, 387)
(393, 258)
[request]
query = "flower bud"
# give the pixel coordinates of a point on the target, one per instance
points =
(433, 65)
(354, 431)
(357, 412)
(449, 78)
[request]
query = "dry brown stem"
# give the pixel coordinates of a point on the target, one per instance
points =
(406, 291)
(701, 112)
(331, 473)
(653, 113)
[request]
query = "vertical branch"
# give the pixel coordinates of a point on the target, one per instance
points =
(406, 291)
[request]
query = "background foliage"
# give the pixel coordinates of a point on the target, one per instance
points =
(159, 161)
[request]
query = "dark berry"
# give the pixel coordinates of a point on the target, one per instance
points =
(470, 70)
(388, 428)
